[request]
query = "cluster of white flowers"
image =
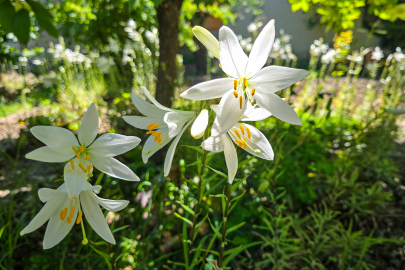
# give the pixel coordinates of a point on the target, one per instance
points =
(318, 47)
(399, 55)
(282, 47)
(377, 54)
(104, 63)
(247, 94)
(59, 53)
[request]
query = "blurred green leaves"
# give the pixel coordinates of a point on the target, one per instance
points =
(16, 18)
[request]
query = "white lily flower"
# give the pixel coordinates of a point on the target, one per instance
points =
(244, 135)
(62, 145)
(207, 39)
(63, 211)
(162, 123)
(248, 81)
(200, 124)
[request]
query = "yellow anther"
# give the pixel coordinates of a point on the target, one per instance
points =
(89, 167)
(61, 215)
(235, 94)
(235, 84)
(241, 143)
(81, 167)
(85, 241)
(248, 132)
(242, 129)
(152, 126)
(77, 153)
(79, 217)
(244, 138)
(237, 133)
(244, 83)
(156, 136)
(87, 157)
(81, 149)
(72, 211)
(74, 198)
(240, 102)
(72, 164)
(150, 132)
(69, 220)
(253, 92)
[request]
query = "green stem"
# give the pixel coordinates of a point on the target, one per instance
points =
(223, 240)
(197, 207)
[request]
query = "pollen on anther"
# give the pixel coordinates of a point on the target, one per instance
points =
(87, 157)
(61, 215)
(241, 129)
(81, 167)
(244, 83)
(248, 132)
(69, 220)
(77, 153)
(72, 164)
(235, 94)
(72, 211)
(235, 84)
(253, 92)
(89, 167)
(152, 126)
(240, 102)
(79, 217)
(81, 149)
(237, 133)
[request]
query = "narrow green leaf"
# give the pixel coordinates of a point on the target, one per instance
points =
(196, 148)
(120, 229)
(188, 209)
(2, 229)
(217, 233)
(184, 219)
(104, 255)
(217, 172)
(233, 228)
(233, 255)
(131, 5)
(21, 25)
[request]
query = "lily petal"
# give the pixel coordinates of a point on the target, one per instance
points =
(89, 127)
(143, 122)
(175, 121)
(256, 140)
(75, 178)
(233, 58)
(59, 139)
(207, 39)
(44, 215)
(254, 113)
(150, 147)
(114, 168)
(111, 144)
(110, 205)
(153, 100)
(172, 148)
(146, 108)
(260, 50)
(229, 113)
(231, 158)
(278, 107)
(95, 217)
(214, 144)
(47, 194)
(274, 78)
(57, 229)
(47, 154)
(208, 90)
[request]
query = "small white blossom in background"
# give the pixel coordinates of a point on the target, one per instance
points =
(329, 57)
(23, 60)
(37, 62)
(253, 27)
(152, 36)
(398, 55)
(377, 54)
(113, 46)
(105, 63)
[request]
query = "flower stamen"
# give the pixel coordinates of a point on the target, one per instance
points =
(235, 94)
(81, 167)
(87, 157)
(81, 149)
(240, 102)
(242, 130)
(72, 164)
(89, 167)
(253, 92)
(244, 83)
(77, 153)
(79, 217)
(72, 211)
(235, 84)
(248, 132)
(237, 134)
(157, 137)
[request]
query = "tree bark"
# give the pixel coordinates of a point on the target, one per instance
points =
(168, 14)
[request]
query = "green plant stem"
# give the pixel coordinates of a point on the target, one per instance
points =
(223, 240)
(197, 207)
(111, 257)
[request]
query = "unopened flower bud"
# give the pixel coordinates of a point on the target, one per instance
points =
(200, 124)
(207, 39)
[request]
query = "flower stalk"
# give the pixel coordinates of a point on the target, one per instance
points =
(223, 240)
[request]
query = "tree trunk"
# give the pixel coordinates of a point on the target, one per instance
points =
(168, 14)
